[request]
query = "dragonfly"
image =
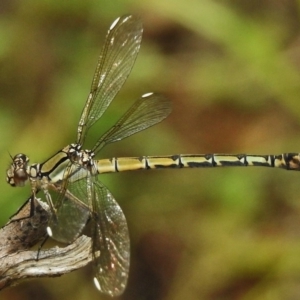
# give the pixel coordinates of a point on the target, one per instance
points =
(72, 172)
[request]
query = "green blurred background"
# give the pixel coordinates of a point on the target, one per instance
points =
(232, 71)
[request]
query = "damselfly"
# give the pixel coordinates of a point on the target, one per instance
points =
(72, 172)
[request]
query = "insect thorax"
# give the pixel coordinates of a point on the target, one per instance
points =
(84, 158)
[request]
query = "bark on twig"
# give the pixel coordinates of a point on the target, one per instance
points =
(25, 229)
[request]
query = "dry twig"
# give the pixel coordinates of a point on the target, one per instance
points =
(25, 229)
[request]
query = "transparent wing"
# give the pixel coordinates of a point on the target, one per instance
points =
(72, 213)
(147, 111)
(111, 249)
(114, 65)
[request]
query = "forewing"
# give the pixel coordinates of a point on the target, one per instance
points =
(72, 214)
(147, 111)
(114, 65)
(111, 249)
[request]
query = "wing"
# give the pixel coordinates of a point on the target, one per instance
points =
(147, 111)
(72, 213)
(114, 65)
(111, 249)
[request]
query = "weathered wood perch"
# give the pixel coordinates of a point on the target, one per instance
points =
(25, 229)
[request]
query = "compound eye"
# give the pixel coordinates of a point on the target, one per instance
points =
(21, 160)
(17, 173)
(10, 176)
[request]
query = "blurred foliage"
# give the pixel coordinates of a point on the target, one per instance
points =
(231, 69)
